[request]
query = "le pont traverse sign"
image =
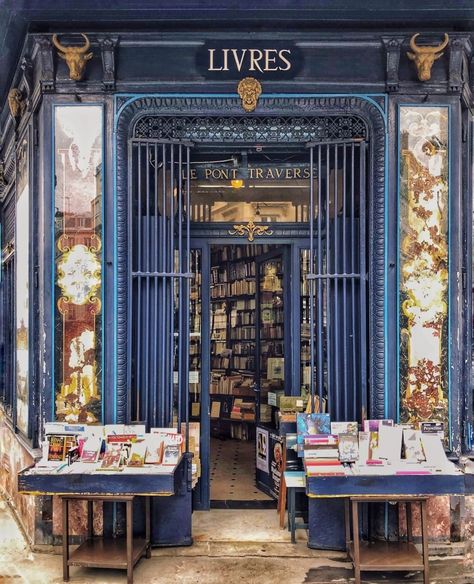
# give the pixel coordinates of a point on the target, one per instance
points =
(259, 59)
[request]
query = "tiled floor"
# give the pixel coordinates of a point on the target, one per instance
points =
(233, 471)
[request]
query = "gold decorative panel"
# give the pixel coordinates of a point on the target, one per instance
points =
(78, 293)
(424, 263)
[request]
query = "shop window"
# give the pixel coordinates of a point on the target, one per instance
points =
(424, 264)
(78, 263)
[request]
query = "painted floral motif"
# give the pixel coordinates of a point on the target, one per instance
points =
(79, 275)
(423, 263)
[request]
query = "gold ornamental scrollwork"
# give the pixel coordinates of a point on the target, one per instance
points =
(249, 90)
(251, 230)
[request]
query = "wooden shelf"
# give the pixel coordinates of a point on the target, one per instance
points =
(388, 555)
(106, 553)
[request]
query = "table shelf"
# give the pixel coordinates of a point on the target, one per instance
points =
(99, 552)
(388, 555)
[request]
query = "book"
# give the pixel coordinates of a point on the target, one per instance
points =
(344, 428)
(112, 458)
(56, 448)
(171, 455)
(433, 428)
(348, 447)
(311, 452)
(434, 451)
(137, 454)
(312, 424)
(390, 443)
(373, 425)
(364, 442)
(373, 446)
(91, 448)
(215, 409)
(412, 445)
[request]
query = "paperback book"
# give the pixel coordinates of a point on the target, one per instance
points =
(348, 448)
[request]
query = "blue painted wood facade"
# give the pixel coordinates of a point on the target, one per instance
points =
(361, 69)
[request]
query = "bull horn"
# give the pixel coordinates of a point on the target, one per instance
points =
(86, 47)
(64, 49)
(416, 49)
(58, 45)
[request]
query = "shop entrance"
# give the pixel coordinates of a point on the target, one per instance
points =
(248, 282)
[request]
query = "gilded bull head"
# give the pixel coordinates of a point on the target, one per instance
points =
(424, 57)
(75, 57)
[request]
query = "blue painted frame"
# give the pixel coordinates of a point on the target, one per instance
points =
(124, 101)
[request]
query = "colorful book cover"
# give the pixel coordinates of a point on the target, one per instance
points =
(348, 448)
(112, 458)
(373, 425)
(345, 428)
(310, 424)
(91, 449)
(373, 446)
(56, 448)
(137, 454)
(171, 455)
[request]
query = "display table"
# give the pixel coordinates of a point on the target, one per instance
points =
(110, 487)
(326, 497)
(101, 552)
(387, 555)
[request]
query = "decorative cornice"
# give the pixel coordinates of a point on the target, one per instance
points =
(131, 110)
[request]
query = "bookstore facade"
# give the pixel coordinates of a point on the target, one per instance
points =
(212, 232)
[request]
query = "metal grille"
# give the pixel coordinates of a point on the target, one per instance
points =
(159, 255)
(337, 278)
(251, 128)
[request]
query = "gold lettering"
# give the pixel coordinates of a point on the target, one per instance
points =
(270, 174)
(233, 173)
(279, 172)
(239, 62)
(259, 173)
(193, 174)
(211, 61)
(269, 59)
(208, 173)
(225, 65)
(288, 173)
(306, 173)
(297, 172)
(285, 60)
(256, 56)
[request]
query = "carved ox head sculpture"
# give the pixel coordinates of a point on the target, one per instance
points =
(424, 57)
(75, 57)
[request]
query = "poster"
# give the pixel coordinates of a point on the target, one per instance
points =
(262, 450)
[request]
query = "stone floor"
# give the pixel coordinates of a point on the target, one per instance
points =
(231, 547)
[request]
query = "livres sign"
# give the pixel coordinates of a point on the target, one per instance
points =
(259, 59)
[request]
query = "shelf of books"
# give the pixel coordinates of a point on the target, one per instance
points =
(195, 354)
(85, 459)
(233, 341)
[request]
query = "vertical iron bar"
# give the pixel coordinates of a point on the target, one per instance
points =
(162, 404)
(147, 279)
(320, 349)
(156, 246)
(336, 285)
(328, 280)
(138, 360)
(353, 271)
(171, 288)
(182, 307)
(362, 248)
(344, 283)
(187, 265)
(311, 273)
(131, 331)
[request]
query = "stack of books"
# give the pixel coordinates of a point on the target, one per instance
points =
(321, 455)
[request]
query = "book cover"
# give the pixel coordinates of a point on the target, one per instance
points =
(137, 454)
(345, 428)
(154, 451)
(171, 454)
(91, 449)
(412, 445)
(348, 447)
(373, 425)
(433, 428)
(390, 443)
(312, 424)
(112, 458)
(56, 448)
(373, 446)
(364, 442)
